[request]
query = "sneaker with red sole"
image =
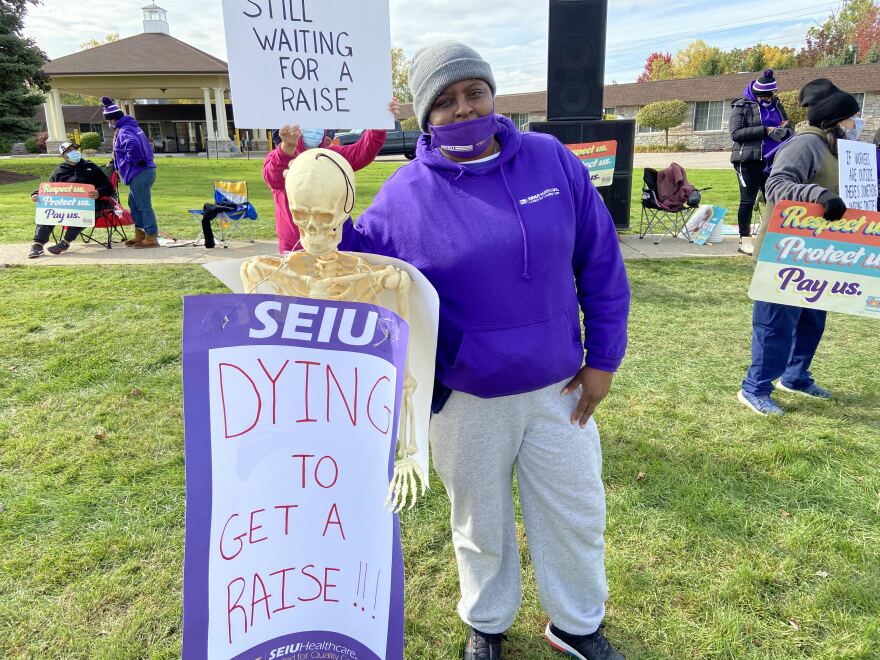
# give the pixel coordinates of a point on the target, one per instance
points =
(584, 647)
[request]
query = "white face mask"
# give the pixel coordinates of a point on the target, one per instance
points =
(856, 131)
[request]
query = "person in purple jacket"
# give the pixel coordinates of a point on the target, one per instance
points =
(516, 240)
(133, 160)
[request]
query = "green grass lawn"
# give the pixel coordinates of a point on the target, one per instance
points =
(729, 535)
(183, 184)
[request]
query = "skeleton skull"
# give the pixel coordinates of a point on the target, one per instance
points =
(320, 189)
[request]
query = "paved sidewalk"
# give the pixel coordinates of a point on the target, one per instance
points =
(80, 254)
(689, 160)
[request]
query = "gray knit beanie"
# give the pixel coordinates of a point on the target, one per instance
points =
(436, 67)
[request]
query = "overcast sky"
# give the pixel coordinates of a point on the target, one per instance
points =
(511, 34)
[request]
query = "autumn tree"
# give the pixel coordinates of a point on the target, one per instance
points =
(94, 43)
(658, 66)
(21, 77)
(662, 115)
(833, 43)
(699, 59)
(866, 36)
(400, 75)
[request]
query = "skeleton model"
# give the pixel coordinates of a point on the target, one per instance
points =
(320, 189)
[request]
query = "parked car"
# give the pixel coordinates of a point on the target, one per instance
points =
(397, 142)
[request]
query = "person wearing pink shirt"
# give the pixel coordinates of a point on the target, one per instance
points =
(294, 141)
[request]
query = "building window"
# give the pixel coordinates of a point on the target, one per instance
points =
(153, 129)
(860, 97)
(92, 128)
(707, 115)
(521, 119)
(608, 112)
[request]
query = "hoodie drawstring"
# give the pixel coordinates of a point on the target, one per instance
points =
(522, 226)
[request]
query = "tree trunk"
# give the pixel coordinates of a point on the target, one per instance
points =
(667, 137)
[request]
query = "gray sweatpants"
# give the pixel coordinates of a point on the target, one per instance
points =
(475, 444)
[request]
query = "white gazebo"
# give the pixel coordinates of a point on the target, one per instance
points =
(152, 65)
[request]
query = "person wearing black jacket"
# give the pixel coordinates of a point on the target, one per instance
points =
(74, 169)
(758, 125)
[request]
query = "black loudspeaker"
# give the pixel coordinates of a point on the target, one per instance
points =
(576, 59)
(617, 198)
(577, 132)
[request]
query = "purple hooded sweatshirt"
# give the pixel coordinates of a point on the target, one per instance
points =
(513, 247)
(132, 152)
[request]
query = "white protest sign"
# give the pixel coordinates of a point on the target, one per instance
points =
(316, 63)
(858, 174)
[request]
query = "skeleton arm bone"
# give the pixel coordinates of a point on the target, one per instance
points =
(408, 475)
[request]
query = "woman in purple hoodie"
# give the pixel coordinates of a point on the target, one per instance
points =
(758, 126)
(516, 240)
(133, 160)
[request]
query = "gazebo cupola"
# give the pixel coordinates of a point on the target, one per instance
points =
(155, 19)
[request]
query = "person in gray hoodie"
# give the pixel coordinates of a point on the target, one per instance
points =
(784, 337)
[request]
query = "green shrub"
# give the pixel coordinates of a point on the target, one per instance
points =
(662, 115)
(5, 146)
(793, 109)
(31, 145)
(90, 141)
(661, 148)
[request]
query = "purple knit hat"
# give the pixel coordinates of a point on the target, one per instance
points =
(765, 85)
(111, 110)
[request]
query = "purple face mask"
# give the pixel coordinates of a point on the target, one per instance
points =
(466, 138)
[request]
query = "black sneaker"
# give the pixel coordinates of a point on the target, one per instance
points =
(585, 647)
(36, 251)
(481, 646)
(59, 247)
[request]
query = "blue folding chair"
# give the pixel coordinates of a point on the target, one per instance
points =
(229, 212)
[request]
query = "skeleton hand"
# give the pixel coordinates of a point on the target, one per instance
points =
(407, 473)
(405, 484)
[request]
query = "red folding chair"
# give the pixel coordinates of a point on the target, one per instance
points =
(110, 216)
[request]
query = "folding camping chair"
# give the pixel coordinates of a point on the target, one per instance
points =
(668, 201)
(228, 213)
(111, 216)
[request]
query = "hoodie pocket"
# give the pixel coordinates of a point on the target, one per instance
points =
(513, 359)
